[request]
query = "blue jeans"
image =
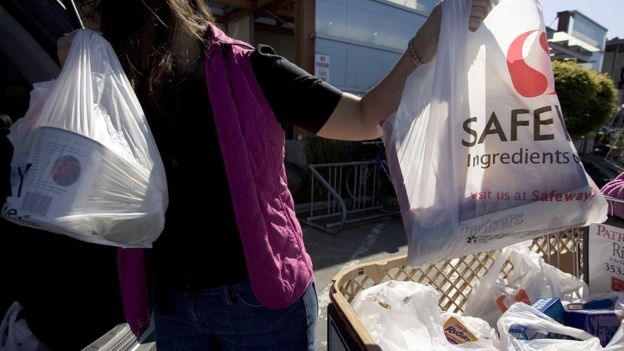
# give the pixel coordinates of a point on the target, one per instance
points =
(230, 318)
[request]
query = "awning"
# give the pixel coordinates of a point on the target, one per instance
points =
(570, 42)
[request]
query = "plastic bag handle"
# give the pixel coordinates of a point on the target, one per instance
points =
(73, 14)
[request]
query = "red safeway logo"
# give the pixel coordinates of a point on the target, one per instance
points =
(528, 81)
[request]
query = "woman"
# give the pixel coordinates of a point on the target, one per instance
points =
(214, 101)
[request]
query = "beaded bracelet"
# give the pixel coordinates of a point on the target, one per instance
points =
(413, 54)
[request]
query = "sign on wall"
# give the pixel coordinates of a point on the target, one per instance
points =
(606, 258)
(321, 66)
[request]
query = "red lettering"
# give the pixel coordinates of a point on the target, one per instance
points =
(617, 284)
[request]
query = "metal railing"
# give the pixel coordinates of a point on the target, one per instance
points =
(346, 193)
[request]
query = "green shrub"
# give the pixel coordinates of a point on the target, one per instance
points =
(587, 98)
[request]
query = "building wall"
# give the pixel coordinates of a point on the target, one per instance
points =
(241, 28)
(283, 44)
(614, 64)
(589, 31)
(584, 39)
(363, 39)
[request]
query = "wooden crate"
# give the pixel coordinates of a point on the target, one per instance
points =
(454, 279)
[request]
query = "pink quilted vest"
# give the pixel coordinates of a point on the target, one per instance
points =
(252, 145)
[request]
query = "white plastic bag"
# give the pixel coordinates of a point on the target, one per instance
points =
(478, 152)
(523, 314)
(403, 315)
(85, 163)
(530, 278)
(15, 335)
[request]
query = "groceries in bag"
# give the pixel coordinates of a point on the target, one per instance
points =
(85, 163)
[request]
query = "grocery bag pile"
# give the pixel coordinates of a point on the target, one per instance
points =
(534, 307)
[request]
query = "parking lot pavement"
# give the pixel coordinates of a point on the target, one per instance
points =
(332, 253)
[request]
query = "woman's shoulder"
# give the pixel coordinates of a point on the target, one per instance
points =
(265, 60)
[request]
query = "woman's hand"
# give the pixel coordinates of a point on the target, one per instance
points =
(359, 119)
(425, 42)
(478, 11)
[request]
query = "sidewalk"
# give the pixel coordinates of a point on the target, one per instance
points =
(332, 253)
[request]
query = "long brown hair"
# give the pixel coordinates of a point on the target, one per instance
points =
(144, 32)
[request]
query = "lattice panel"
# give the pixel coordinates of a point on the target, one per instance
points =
(455, 278)
(563, 249)
(352, 286)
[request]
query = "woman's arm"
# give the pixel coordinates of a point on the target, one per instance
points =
(356, 118)
(359, 118)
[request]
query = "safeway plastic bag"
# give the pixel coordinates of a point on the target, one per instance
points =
(530, 279)
(525, 315)
(404, 315)
(85, 163)
(478, 151)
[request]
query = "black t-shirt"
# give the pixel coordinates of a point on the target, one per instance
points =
(200, 246)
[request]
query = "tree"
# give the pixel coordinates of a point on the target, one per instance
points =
(587, 98)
